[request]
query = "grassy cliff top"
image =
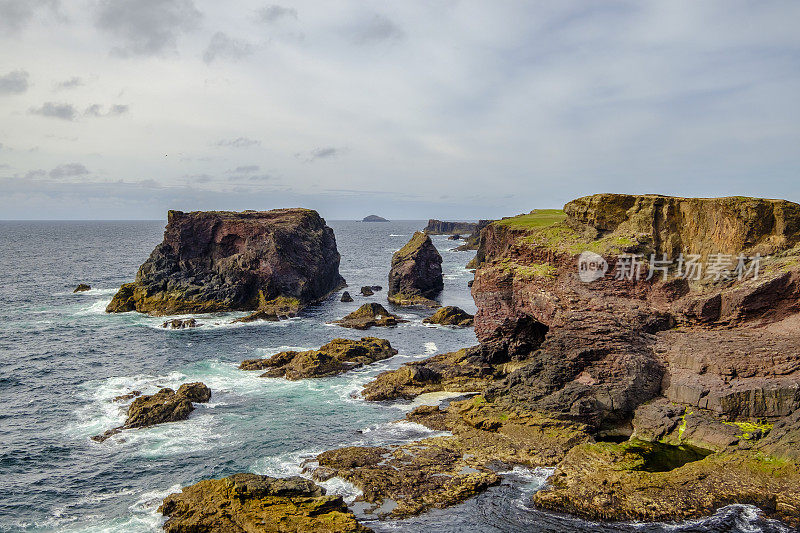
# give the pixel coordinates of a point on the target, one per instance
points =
(538, 218)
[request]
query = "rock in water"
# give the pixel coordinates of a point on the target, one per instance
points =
(373, 218)
(214, 261)
(366, 291)
(368, 315)
(339, 355)
(164, 406)
(450, 316)
(82, 287)
(250, 502)
(416, 274)
(180, 323)
(346, 297)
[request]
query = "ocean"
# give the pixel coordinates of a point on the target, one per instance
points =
(64, 359)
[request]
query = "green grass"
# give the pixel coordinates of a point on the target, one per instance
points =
(538, 218)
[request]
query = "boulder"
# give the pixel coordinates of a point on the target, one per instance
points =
(455, 237)
(367, 291)
(214, 261)
(346, 297)
(339, 355)
(250, 502)
(180, 323)
(368, 315)
(166, 405)
(82, 287)
(376, 288)
(450, 316)
(416, 274)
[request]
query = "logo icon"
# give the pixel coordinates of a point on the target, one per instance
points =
(591, 266)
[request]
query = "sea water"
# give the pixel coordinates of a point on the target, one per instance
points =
(64, 360)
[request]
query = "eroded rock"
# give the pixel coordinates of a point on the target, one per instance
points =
(250, 502)
(416, 274)
(369, 315)
(339, 355)
(450, 316)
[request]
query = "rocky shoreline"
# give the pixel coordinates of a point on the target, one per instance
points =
(656, 397)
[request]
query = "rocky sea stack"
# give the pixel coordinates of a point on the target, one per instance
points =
(250, 502)
(214, 261)
(369, 315)
(416, 274)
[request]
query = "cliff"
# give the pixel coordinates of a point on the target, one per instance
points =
(657, 398)
(225, 261)
(440, 227)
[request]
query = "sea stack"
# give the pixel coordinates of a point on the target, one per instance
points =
(214, 261)
(416, 274)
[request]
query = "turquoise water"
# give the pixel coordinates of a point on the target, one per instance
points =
(64, 359)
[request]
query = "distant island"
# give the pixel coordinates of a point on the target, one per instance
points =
(373, 218)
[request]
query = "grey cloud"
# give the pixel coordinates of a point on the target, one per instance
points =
(223, 47)
(326, 152)
(376, 29)
(69, 170)
(14, 14)
(272, 13)
(146, 27)
(239, 142)
(70, 83)
(15, 82)
(96, 110)
(246, 169)
(55, 110)
(35, 174)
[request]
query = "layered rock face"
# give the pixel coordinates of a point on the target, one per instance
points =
(223, 261)
(249, 502)
(416, 274)
(710, 362)
(441, 227)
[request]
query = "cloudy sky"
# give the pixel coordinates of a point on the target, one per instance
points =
(122, 109)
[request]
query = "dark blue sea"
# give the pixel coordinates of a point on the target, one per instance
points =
(64, 359)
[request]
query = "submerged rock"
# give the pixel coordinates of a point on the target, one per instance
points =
(82, 287)
(166, 405)
(416, 274)
(450, 316)
(339, 355)
(214, 261)
(346, 297)
(250, 502)
(180, 323)
(369, 315)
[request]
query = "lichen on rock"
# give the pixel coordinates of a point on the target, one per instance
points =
(369, 315)
(415, 277)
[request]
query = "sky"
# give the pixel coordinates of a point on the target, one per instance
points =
(123, 109)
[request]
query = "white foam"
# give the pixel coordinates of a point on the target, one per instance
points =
(430, 348)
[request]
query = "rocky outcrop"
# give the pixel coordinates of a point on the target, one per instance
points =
(336, 357)
(180, 323)
(440, 227)
(82, 287)
(164, 406)
(450, 316)
(373, 218)
(472, 241)
(250, 502)
(346, 297)
(416, 274)
(224, 261)
(369, 315)
(367, 291)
